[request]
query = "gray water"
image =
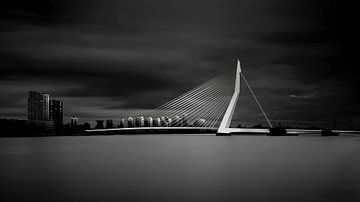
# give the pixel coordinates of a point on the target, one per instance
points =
(180, 168)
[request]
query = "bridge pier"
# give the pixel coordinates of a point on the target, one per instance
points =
(328, 132)
(277, 132)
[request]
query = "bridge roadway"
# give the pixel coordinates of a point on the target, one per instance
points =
(153, 130)
(198, 130)
(172, 130)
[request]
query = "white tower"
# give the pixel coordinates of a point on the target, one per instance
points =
(225, 123)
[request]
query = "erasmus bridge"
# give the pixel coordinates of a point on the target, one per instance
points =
(208, 107)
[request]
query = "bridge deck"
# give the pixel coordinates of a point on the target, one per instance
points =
(153, 130)
(195, 130)
(203, 130)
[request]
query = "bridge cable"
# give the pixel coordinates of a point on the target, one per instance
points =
(187, 103)
(262, 110)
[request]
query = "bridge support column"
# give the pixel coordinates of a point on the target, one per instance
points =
(223, 134)
(277, 132)
(225, 123)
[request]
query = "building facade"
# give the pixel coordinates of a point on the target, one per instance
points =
(38, 106)
(157, 122)
(131, 122)
(122, 123)
(56, 113)
(73, 122)
(140, 121)
(149, 122)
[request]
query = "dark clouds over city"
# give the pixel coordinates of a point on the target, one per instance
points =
(105, 59)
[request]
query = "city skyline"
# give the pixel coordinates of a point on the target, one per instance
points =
(115, 58)
(42, 108)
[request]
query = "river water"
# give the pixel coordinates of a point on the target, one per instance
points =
(180, 168)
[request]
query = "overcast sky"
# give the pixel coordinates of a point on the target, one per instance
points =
(105, 59)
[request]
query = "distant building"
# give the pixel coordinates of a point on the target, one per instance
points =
(38, 106)
(169, 121)
(86, 126)
(29, 128)
(149, 122)
(73, 122)
(163, 122)
(131, 122)
(83, 127)
(56, 113)
(42, 127)
(140, 121)
(157, 122)
(99, 124)
(109, 123)
(39, 113)
(122, 123)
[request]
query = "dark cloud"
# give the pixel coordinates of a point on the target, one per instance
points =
(93, 79)
(106, 58)
(43, 12)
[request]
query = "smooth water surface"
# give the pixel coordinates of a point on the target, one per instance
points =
(180, 168)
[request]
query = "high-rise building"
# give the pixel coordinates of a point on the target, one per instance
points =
(56, 113)
(38, 106)
(73, 122)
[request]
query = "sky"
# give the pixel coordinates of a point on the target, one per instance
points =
(110, 58)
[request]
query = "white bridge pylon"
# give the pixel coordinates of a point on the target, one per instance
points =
(224, 127)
